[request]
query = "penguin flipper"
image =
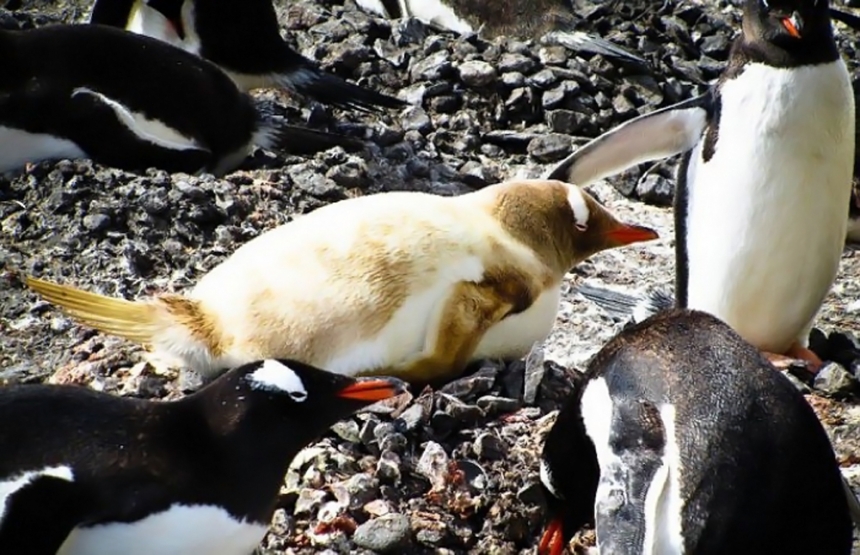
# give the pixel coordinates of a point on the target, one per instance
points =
(38, 518)
(301, 140)
(326, 88)
(135, 142)
(622, 305)
(847, 18)
(653, 136)
(579, 41)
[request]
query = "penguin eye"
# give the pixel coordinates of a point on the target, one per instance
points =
(581, 227)
(298, 396)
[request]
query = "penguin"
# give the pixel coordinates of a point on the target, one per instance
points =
(97, 474)
(682, 439)
(128, 101)
(520, 18)
(244, 40)
(853, 233)
(764, 180)
(409, 284)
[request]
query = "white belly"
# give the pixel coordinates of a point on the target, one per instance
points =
(17, 147)
(150, 22)
(764, 239)
(180, 530)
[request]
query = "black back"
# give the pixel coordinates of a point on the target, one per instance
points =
(752, 450)
(228, 445)
(42, 67)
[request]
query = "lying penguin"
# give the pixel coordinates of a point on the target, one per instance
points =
(402, 283)
(95, 474)
(683, 440)
(243, 38)
(128, 101)
(765, 179)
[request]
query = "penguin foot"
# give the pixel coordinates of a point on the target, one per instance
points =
(795, 353)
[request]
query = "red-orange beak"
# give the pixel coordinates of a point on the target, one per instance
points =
(626, 234)
(552, 542)
(791, 25)
(373, 389)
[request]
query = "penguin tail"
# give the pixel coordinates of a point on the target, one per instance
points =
(331, 89)
(584, 42)
(301, 140)
(136, 321)
(623, 305)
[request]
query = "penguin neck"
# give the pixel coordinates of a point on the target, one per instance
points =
(816, 47)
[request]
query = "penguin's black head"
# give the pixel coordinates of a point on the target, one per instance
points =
(786, 23)
(299, 390)
(569, 474)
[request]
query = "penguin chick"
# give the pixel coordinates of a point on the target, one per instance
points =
(244, 40)
(97, 474)
(128, 101)
(402, 283)
(757, 160)
(683, 440)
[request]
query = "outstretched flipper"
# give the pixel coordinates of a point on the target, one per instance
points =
(584, 42)
(659, 134)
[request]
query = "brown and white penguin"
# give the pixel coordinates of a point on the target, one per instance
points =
(243, 38)
(683, 440)
(762, 191)
(408, 284)
(96, 474)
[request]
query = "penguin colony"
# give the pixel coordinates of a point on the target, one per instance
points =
(681, 437)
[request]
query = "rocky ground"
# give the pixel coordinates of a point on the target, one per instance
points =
(451, 471)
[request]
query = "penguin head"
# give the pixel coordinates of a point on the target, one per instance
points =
(300, 391)
(562, 223)
(786, 23)
(569, 474)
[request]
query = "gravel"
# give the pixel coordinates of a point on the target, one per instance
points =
(448, 471)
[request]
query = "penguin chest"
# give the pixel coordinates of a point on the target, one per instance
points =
(20, 147)
(766, 203)
(180, 530)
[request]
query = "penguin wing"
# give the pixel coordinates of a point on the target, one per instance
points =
(660, 134)
(113, 134)
(37, 519)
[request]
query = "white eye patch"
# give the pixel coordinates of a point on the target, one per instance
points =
(274, 376)
(579, 207)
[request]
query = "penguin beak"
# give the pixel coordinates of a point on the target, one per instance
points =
(793, 25)
(625, 234)
(552, 542)
(372, 389)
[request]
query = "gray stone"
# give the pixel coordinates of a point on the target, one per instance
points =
(432, 68)
(553, 55)
(493, 405)
(477, 73)
(309, 501)
(656, 189)
(568, 122)
(834, 380)
(488, 446)
(433, 464)
(384, 534)
(416, 119)
(516, 62)
(388, 467)
(550, 147)
(543, 79)
(347, 430)
(534, 372)
(513, 79)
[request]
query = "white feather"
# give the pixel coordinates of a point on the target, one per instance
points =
(180, 530)
(18, 147)
(275, 376)
(766, 219)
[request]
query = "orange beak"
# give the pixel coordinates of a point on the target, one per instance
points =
(552, 542)
(625, 234)
(791, 26)
(372, 389)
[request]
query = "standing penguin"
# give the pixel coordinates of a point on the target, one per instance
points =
(88, 473)
(243, 38)
(682, 440)
(129, 101)
(763, 188)
(409, 284)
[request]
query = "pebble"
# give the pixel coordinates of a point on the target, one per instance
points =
(656, 189)
(476, 73)
(384, 534)
(550, 148)
(433, 464)
(832, 379)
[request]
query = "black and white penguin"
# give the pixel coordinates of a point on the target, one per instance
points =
(124, 100)
(243, 39)
(682, 439)
(503, 18)
(95, 474)
(760, 207)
